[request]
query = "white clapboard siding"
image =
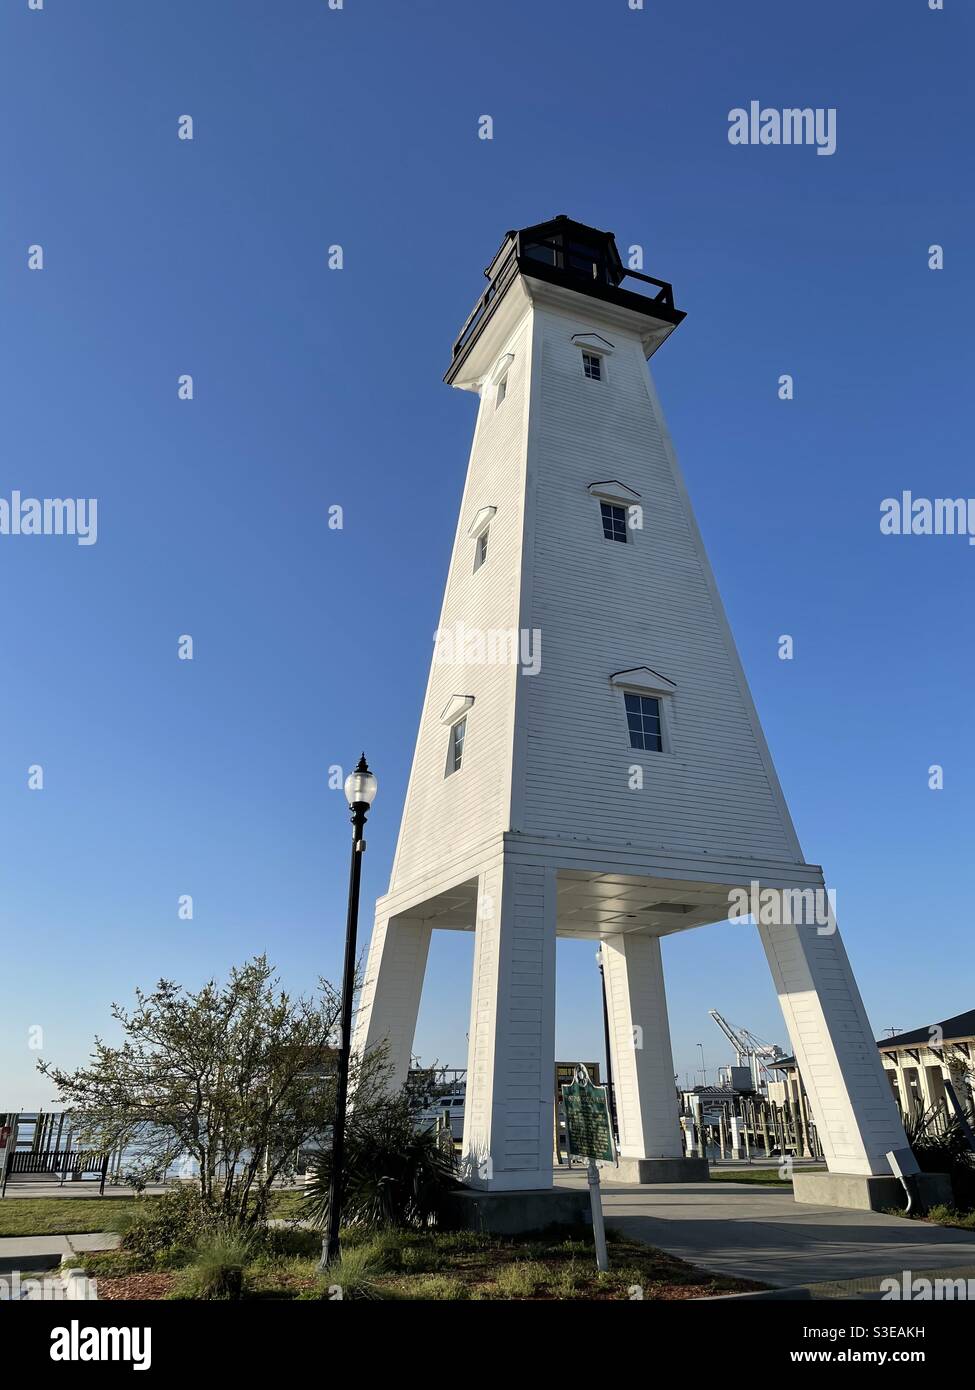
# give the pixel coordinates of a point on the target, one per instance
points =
(602, 607)
(460, 811)
(599, 607)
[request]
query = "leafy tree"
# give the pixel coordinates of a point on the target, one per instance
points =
(238, 1076)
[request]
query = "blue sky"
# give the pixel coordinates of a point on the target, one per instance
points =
(315, 387)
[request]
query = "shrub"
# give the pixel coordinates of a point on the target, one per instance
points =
(353, 1276)
(177, 1220)
(393, 1174)
(286, 1242)
(945, 1152)
(217, 1271)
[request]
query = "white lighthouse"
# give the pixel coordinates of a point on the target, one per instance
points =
(589, 761)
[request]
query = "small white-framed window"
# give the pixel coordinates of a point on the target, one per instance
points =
(644, 721)
(592, 366)
(620, 510)
(477, 531)
(647, 699)
(499, 377)
(614, 522)
(455, 747)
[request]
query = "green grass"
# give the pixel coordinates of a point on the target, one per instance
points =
(55, 1216)
(760, 1177)
(438, 1288)
(557, 1265)
(287, 1205)
(949, 1216)
(522, 1278)
(443, 1267)
(116, 1263)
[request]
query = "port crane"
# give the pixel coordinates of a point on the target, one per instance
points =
(750, 1051)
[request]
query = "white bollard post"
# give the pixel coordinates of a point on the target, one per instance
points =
(598, 1225)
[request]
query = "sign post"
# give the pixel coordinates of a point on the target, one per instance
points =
(589, 1134)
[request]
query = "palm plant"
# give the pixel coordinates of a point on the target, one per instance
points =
(394, 1174)
(944, 1151)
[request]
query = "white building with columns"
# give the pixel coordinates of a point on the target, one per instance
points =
(589, 761)
(919, 1063)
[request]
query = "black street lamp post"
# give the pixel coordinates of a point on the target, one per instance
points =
(610, 1089)
(360, 791)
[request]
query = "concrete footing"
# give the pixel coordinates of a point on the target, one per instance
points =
(653, 1170)
(513, 1213)
(867, 1192)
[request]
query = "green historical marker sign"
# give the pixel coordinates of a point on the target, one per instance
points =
(587, 1119)
(589, 1134)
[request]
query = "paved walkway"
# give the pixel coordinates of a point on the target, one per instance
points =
(762, 1233)
(46, 1252)
(23, 1188)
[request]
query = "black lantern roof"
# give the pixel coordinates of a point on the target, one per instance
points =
(572, 247)
(574, 255)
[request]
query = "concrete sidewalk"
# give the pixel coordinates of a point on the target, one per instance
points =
(46, 1252)
(758, 1233)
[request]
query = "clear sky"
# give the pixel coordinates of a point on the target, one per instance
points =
(316, 387)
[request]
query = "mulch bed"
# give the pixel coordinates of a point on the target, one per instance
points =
(134, 1286)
